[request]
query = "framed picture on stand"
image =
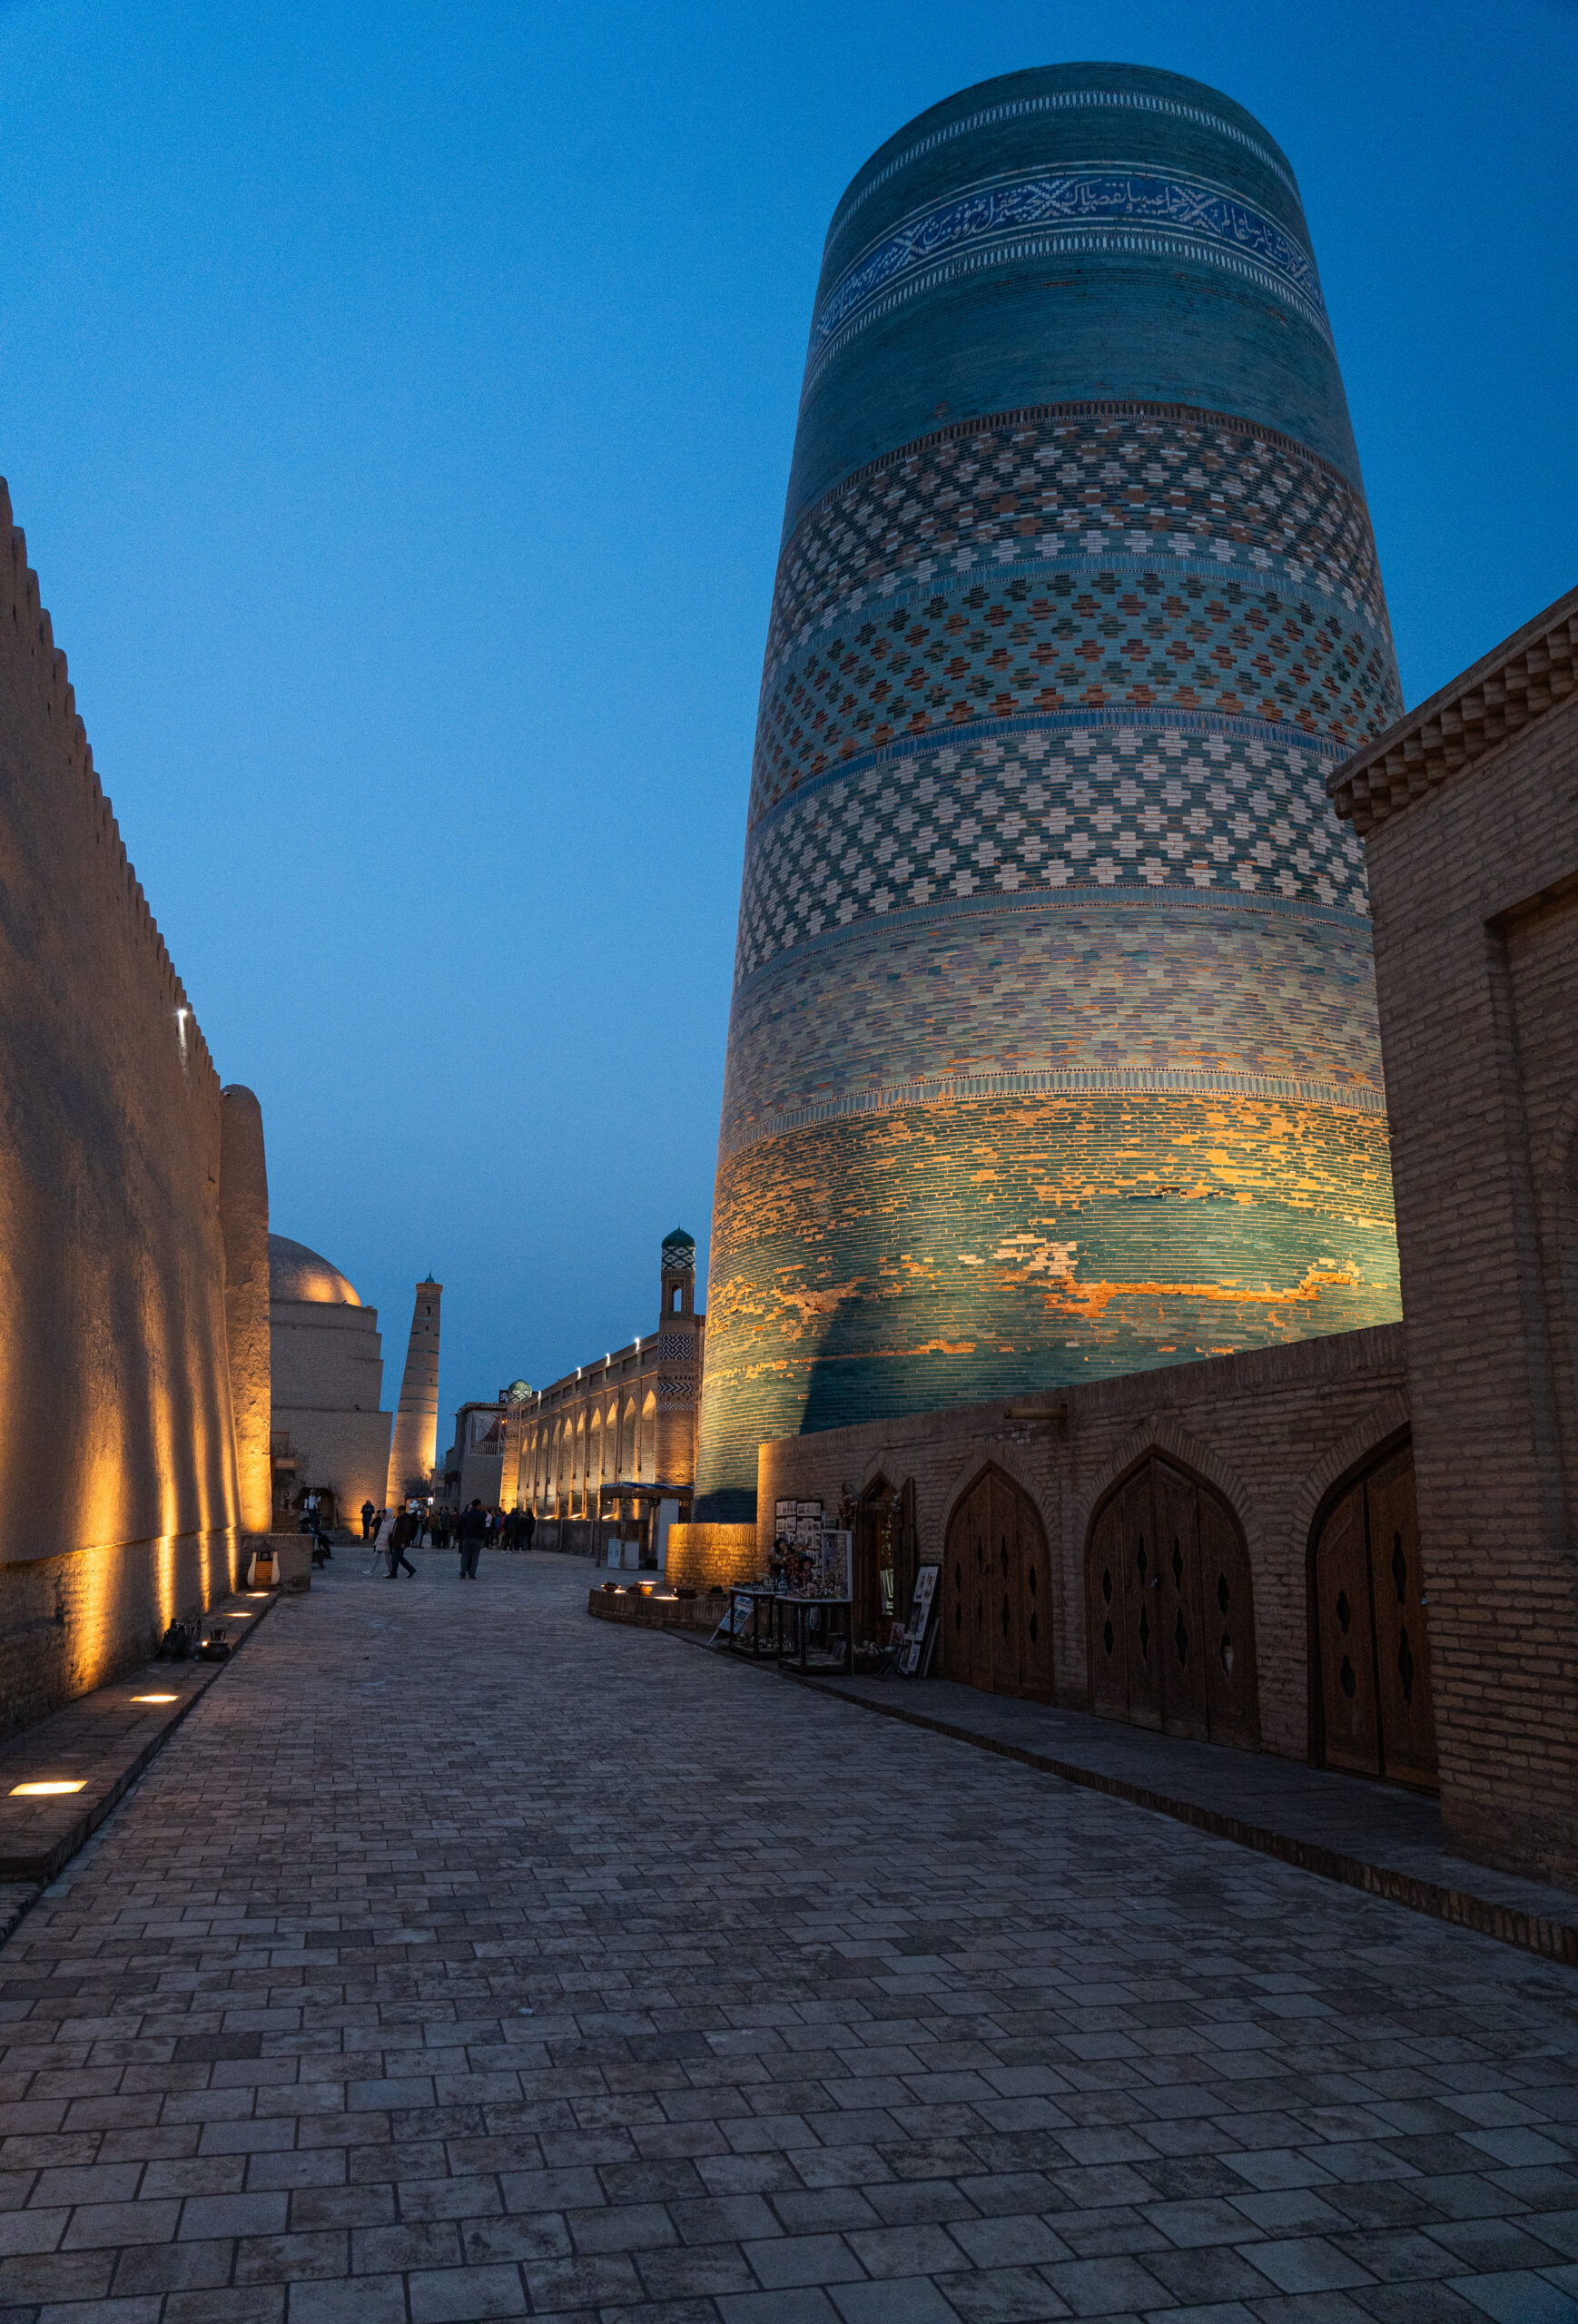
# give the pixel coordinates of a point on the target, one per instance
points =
(919, 1639)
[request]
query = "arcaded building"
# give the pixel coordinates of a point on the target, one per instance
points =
(1053, 1050)
(607, 1452)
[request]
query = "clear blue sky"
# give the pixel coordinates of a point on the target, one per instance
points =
(398, 402)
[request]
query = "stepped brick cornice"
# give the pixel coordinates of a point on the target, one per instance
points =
(1528, 674)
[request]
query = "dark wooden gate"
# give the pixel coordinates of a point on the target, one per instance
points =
(1170, 1608)
(1372, 1648)
(997, 1607)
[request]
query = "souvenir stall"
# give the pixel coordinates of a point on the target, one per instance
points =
(801, 1607)
(853, 1595)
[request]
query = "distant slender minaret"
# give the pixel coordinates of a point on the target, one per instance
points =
(415, 1428)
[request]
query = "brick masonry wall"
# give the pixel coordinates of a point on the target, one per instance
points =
(1274, 1430)
(1475, 888)
(701, 1555)
(67, 1624)
(118, 1456)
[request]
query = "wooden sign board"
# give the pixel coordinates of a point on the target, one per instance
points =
(919, 1619)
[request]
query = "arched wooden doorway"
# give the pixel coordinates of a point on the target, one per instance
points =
(997, 1601)
(1372, 1648)
(1170, 1608)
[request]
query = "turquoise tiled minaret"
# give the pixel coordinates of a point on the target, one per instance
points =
(1053, 1047)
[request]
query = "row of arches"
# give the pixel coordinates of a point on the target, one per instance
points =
(564, 1465)
(1170, 1607)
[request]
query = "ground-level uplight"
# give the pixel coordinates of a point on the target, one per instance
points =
(155, 1698)
(44, 1790)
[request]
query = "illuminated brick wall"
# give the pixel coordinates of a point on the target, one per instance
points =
(1270, 1429)
(1053, 1048)
(118, 1452)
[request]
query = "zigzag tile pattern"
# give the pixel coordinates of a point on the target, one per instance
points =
(1083, 808)
(1102, 559)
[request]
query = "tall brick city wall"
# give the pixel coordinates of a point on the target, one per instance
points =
(1273, 1430)
(1469, 809)
(118, 1490)
(1053, 1050)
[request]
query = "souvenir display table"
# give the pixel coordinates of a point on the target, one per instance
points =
(775, 1622)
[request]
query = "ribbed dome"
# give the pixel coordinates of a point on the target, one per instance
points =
(296, 1272)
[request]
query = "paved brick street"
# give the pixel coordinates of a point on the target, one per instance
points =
(831, 2019)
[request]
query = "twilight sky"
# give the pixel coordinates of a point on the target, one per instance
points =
(399, 398)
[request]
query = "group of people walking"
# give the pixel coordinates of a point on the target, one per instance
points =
(471, 1530)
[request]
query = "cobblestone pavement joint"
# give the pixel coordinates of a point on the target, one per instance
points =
(461, 1957)
(1378, 1838)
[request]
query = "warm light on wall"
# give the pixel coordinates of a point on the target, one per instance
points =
(43, 1790)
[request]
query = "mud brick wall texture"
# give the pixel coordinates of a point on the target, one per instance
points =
(118, 1492)
(1469, 814)
(1273, 1430)
(1054, 1052)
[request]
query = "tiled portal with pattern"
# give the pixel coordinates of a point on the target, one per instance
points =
(833, 2022)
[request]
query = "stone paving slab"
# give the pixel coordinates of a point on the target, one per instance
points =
(532, 1967)
(1376, 1837)
(103, 1741)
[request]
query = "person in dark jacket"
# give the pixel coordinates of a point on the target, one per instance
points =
(368, 1513)
(399, 1541)
(473, 1531)
(528, 1527)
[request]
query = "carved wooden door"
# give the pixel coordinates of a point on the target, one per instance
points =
(1345, 1631)
(1170, 1608)
(1003, 1586)
(971, 1533)
(1372, 1643)
(1104, 1615)
(997, 1584)
(1035, 1627)
(1177, 1601)
(1141, 1631)
(1228, 1629)
(1401, 1644)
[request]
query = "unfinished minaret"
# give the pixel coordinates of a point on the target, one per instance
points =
(415, 1428)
